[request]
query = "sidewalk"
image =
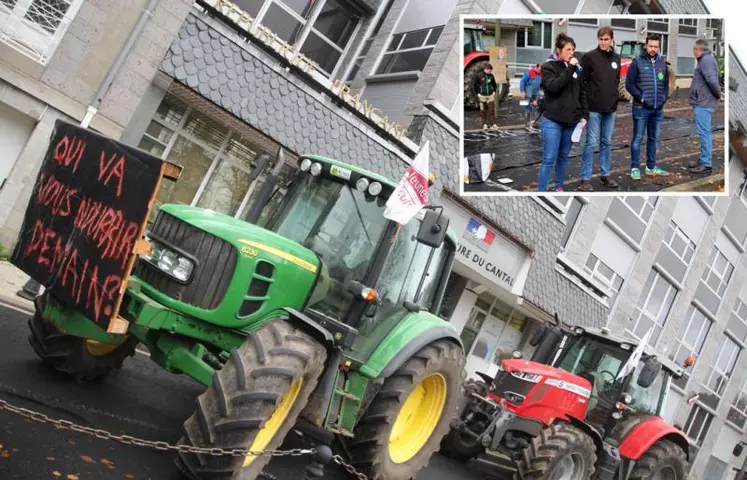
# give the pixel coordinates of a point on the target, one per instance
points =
(11, 281)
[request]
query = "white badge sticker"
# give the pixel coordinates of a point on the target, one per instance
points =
(614, 65)
(575, 74)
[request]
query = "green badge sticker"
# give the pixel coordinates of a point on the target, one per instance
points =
(661, 75)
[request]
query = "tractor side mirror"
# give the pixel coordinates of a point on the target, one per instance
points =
(737, 449)
(433, 228)
(649, 372)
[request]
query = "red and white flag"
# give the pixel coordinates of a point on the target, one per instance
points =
(411, 195)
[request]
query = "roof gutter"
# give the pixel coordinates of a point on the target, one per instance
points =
(93, 108)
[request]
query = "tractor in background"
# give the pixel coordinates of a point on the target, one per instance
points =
(587, 405)
(475, 59)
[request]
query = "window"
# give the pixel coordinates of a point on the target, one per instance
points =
(691, 337)
(738, 321)
(472, 329)
(623, 23)
(217, 161)
(493, 327)
(720, 371)
(36, 27)
(320, 29)
(409, 51)
(679, 243)
(368, 42)
(688, 26)
(539, 36)
(604, 274)
(697, 424)
(584, 21)
(738, 411)
(658, 25)
(571, 218)
(653, 308)
(718, 274)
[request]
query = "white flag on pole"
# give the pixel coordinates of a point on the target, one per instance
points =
(411, 195)
(635, 357)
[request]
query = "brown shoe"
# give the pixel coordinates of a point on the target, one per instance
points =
(585, 186)
(609, 183)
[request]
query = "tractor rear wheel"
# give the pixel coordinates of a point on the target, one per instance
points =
(458, 445)
(665, 460)
(409, 416)
(253, 402)
(623, 92)
(559, 452)
(470, 73)
(84, 359)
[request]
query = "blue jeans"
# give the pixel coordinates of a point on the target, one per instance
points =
(604, 122)
(645, 119)
(556, 145)
(703, 127)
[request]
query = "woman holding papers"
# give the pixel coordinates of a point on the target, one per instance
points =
(561, 83)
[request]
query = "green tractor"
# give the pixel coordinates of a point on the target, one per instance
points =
(321, 310)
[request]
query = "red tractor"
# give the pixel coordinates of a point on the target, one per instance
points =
(475, 59)
(628, 50)
(588, 405)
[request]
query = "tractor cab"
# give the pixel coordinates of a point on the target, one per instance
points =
(629, 49)
(473, 35)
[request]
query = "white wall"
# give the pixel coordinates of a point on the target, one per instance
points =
(15, 129)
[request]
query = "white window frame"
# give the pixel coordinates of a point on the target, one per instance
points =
(392, 50)
(525, 32)
(689, 22)
(743, 193)
(714, 368)
(640, 308)
(699, 437)
(608, 282)
(689, 244)
(30, 38)
(735, 311)
(720, 275)
(648, 200)
(580, 21)
(742, 393)
(701, 338)
(308, 26)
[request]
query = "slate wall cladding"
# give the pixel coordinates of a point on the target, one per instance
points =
(213, 61)
(207, 61)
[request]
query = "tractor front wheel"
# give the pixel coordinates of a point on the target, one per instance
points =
(561, 451)
(253, 402)
(664, 460)
(84, 359)
(409, 416)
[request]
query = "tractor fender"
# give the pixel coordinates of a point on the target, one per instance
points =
(475, 57)
(647, 433)
(413, 332)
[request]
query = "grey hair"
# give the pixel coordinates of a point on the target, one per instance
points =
(701, 44)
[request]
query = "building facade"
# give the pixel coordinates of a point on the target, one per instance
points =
(212, 85)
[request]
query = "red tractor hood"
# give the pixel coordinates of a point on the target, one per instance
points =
(514, 365)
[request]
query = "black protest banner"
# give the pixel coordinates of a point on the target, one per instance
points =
(85, 216)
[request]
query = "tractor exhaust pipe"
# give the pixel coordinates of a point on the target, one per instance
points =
(268, 187)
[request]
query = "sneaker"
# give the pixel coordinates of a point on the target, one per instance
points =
(635, 174)
(701, 169)
(484, 126)
(657, 171)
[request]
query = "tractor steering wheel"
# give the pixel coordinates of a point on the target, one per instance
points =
(612, 375)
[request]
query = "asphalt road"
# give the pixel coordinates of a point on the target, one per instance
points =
(140, 400)
(518, 153)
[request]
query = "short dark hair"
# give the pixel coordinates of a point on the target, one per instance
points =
(653, 37)
(488, 66)
(701, 44)
(605, 31)
(562, 40)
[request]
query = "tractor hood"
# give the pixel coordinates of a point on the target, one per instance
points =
(546, 372)
(248, 281)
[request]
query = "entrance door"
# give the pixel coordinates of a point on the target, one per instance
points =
(15, 129)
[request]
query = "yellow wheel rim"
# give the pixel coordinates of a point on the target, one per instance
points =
(99, 349)
(418, 418)
(276, 420)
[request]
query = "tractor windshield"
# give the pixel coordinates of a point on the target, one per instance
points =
(473, 41)
(630, 50)
(339, 223)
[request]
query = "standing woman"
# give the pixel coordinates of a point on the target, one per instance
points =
(562, 86)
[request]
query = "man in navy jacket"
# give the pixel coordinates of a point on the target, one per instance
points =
(648, 83)
(705, 93)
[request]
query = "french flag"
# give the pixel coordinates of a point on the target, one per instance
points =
(480, 231)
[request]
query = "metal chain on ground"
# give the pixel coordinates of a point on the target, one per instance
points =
(349, 468)
(161, 446)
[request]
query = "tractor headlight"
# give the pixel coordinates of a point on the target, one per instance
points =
(375, 188)
(305, 165)
(528, 377)
(361, 184)
(169, 262)
(316, 169)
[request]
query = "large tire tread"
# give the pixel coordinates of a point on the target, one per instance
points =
(550, 445)
(68, 353)
(663, 452)
(243, 395)
(369, 449)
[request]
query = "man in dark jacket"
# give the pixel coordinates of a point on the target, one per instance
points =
(600, 77)
(705, 93)
(648, 83)
(485, 87)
